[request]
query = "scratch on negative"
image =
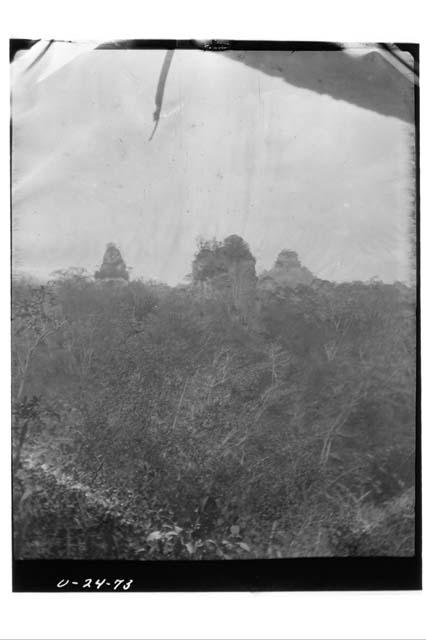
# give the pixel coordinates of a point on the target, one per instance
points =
(160, 90)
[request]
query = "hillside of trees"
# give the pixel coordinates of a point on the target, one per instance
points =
(235, 416)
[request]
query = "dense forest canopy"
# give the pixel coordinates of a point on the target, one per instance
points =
(236, 415)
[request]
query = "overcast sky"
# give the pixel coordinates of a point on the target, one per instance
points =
(236, 151)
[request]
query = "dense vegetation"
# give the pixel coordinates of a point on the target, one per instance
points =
(158, 422)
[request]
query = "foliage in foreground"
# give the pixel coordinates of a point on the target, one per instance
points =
(150, 422)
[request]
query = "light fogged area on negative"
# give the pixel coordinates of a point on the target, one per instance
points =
(237, 150)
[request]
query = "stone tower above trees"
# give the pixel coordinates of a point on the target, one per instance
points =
(228, 268)
(113, 267)
(287, 271)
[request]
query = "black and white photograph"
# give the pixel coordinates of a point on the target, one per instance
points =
(214, 304)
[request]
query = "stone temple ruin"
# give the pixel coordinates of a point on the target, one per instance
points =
(226, 267)
(113, 268)
(287, 271)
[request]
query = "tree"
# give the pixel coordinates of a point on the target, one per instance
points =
(35, 318)
(228, 269)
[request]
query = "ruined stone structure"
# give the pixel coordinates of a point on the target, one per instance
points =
(243, 281)
(287, 271)
(113, 268)
(228, 269)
